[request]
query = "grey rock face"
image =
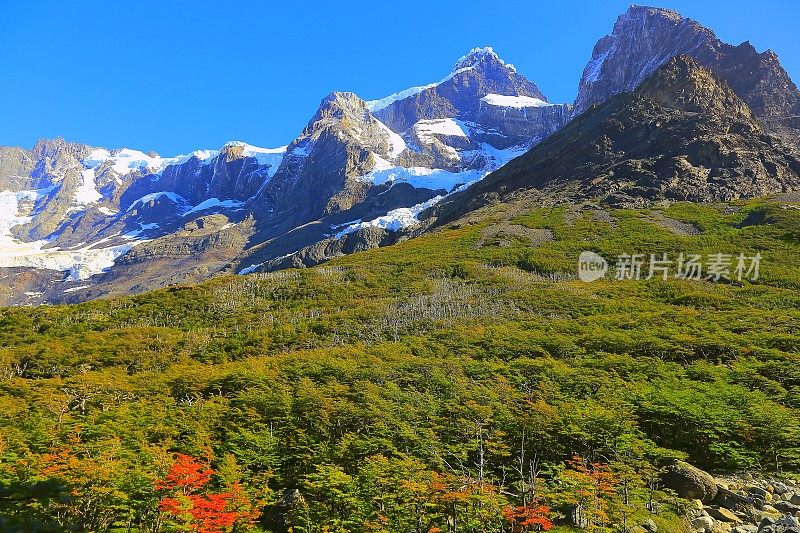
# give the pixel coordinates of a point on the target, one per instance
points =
(325, 250)
(16, 165)
(53, 165)
(317, 174)
(321, 175)
(644, 38)
(784, 524)
(515, 125)
(230, 175)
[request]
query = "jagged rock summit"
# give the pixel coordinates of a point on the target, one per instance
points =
(481, 88)
(481, 56)
(644, 38)
(682, 84)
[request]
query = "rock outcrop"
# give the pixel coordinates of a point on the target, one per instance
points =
(740, 503)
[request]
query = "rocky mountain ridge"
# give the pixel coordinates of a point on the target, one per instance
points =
(76, 209)
(683, 134)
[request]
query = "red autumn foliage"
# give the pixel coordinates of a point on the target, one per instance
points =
(602, 480)
(593, 488)
(528, 518)
(187, 474)
(203, 513)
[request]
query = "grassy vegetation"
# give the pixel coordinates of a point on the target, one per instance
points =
(439, 383)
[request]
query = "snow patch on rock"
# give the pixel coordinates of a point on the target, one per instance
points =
(376, 105)
(78, 288)
(264, 156)
(426, 129)
(518, 102)
(87, 193)
(396, 143)
(212, 203)
(250, 269)
(436, 179)
(419, 177)
(171, 196)
(394, 220)
(592, 71)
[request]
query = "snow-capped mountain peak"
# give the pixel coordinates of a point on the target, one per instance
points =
(482, 88)
(477, 58)
(481, 56)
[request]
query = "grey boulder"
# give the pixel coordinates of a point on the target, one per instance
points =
(690, 482)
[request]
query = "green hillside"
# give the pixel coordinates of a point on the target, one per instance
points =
(452, 382)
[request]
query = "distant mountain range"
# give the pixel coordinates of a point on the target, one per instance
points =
(664, 111)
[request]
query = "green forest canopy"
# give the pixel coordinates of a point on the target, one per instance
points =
(444, 383)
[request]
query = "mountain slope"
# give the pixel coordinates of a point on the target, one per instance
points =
(365, 380)
(681, 135)
(72, 210)
(644, 38)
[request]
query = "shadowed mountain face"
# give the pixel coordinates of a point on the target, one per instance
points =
(645, 38)
(321, 170)
(683, 134)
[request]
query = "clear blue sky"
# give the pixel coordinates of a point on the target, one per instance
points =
(174, 76)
